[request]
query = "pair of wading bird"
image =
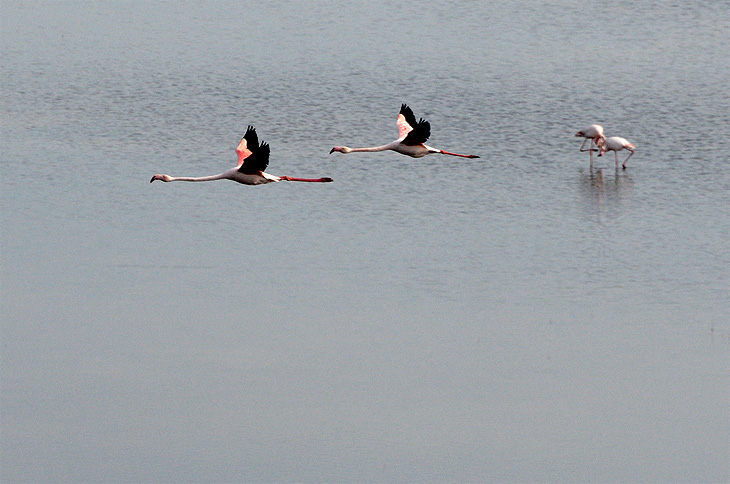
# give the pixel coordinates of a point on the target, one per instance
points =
(253, 157)
(594, 133)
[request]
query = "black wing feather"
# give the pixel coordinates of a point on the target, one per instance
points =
(421, 129)
(408, 114)
(259, 159)
(252, 139)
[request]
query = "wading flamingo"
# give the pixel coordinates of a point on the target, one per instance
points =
(253, 158)
(411, 138)
(616, 144)
(594, 132)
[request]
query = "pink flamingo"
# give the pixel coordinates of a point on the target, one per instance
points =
(594, 132)
(616, 144)
(253, 158)
(411, 138)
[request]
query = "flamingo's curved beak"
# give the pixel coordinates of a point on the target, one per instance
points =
(153, 179)
(332, 151)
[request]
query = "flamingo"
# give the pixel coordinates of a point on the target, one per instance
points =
(594, 132)
(616, 144)
(411, 138)
(253, 158)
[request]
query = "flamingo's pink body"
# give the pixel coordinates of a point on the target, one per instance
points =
(594, 133)
(616, 144)
(253, 158)
(411, 138)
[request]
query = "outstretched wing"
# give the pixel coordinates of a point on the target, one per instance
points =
(249, 139)
(404, 123)
(252, 156)
(415, 132)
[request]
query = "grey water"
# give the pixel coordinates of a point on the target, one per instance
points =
(520, 317)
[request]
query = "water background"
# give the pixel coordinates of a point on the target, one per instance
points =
(521, 317)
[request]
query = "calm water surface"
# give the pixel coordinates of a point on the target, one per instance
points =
(521, 317)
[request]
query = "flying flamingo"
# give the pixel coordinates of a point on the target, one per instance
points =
(411, 138)
(594, 132)
(616, 144)
(253, 158)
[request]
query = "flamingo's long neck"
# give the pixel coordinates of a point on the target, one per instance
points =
(372, 149)
(220, 176)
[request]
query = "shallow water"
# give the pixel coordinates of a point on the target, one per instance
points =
(517, 317)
